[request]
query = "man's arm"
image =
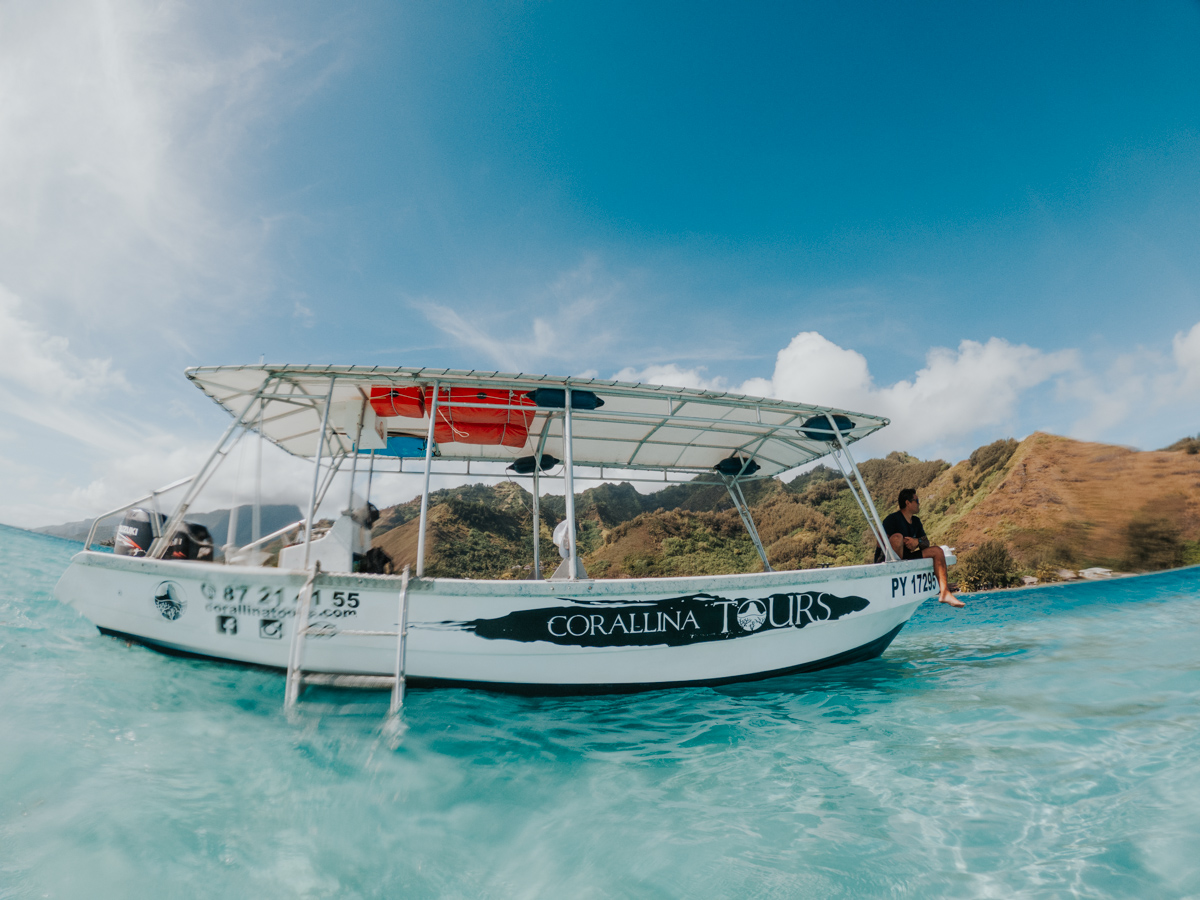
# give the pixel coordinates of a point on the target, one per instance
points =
(894, 527)
(901, 543)
(922, 539)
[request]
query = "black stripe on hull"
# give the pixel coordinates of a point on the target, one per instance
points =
(869, 650)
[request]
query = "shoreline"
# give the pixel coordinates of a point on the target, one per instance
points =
(1077, 581)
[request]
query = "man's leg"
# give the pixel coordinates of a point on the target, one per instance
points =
(939, 569)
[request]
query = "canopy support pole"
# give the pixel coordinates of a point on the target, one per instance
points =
(739, 503)
(846, 475)
(335, 466)
(256, 516)
(312, 500)
(354, 449)
(569, 476)
(200, 479)
(873, 520)
(370, 474)
(231, 527)
(425, 489)
(537, 503)
(537, 521)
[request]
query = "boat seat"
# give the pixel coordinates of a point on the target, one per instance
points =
(335, 550)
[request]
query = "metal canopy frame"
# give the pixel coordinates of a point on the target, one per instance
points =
(743, 510)
(689, 433)
(651, 427)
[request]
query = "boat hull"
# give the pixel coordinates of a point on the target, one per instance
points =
(530, 636)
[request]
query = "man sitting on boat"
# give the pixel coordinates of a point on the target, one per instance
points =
(907, 536)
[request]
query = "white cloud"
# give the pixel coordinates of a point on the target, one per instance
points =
(304, 315)
(960, 393)
(813, 369)
(671, 374)
(466, 333)
(95, 191)
(556, 341)
(1187, 357)
(45, 384)
(42, 364)
(60, 401)
(1106, 398)
(163, 459)
(120, 133)
(1122, 398)
(957, 393)
(576, 312)
(124, 232)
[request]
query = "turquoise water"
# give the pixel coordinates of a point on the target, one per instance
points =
(1039, 744)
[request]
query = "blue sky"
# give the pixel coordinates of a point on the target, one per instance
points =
(816, 201)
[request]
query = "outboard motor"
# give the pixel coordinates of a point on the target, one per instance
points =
(190, 541)
(136, 533)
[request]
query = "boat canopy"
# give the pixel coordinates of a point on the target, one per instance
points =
(498, 417)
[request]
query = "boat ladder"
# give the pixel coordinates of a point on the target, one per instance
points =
(298, 677)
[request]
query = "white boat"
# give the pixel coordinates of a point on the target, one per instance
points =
(571, 634)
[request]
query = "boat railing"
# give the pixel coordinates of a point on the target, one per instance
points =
(148, 498)
(274, 534)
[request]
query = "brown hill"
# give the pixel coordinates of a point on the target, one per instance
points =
(1049, 500)
(1056, 500)
(484, 531)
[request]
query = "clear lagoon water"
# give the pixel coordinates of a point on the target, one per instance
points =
(1040, 743)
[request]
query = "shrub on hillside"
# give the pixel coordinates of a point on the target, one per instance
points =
(993, 455)
(822, 492)
(886, 477)
(1154, 543)
(1187, 445)
(987, 566)
(1047, 572)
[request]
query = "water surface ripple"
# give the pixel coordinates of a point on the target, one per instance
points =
(1039, 744)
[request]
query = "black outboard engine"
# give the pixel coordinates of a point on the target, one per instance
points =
(190, 541)
(136, 533)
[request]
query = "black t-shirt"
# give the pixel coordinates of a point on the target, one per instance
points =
(897, 524)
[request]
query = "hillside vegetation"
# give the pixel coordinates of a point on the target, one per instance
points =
(1046, 502)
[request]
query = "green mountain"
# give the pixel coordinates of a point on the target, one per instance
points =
(485, 531)
(1042, 503)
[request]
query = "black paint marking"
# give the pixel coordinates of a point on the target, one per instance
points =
(869, 650)
(676, 621)
(169, 600)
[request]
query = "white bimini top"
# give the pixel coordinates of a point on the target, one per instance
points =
(499, 417)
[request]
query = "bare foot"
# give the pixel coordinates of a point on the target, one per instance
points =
(951, 600)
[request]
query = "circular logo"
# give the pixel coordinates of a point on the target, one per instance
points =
(751, 615)
(170, 600)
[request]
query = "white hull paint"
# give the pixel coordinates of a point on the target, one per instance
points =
(539, 636)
